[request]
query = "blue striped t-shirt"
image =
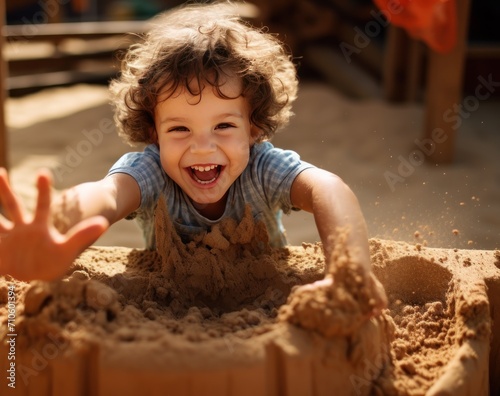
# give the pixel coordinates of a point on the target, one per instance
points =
(265, 185)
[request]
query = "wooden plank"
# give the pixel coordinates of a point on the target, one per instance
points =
(32, 82)
(57, 31)
(59, 62)
(479, 50)
(3, 128)
(444, 89)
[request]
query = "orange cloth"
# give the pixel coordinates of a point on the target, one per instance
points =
(433, 21)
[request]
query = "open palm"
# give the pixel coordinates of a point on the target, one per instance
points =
(30, 246)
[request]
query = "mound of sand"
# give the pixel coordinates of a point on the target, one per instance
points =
(223, 315)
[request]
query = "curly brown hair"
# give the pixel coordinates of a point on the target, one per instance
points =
(207, 42)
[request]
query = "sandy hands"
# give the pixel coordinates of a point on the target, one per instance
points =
(339, 304)
(30, 246)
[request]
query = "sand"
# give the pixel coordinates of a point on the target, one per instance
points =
(227, 310)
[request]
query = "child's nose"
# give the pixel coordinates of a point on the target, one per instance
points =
(203, 143)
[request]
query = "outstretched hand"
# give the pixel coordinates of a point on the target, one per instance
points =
(30, 246)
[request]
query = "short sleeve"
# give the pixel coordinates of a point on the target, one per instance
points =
(276, 170)
(145, 168)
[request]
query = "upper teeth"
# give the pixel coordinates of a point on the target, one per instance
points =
(203, 168)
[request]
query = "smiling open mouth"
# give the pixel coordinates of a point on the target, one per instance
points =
(205, 174)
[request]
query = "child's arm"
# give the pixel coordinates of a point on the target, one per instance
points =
(335, 207)
(43, 248)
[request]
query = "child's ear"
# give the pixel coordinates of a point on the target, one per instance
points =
(153, 135)
(255, 134)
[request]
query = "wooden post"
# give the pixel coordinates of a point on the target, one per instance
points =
(393, 61)
(444, 89)
(3, 82)
(403, 60)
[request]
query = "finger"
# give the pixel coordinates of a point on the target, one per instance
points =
(8, 199)
(44, 182)
(85, 233)
(4, 226)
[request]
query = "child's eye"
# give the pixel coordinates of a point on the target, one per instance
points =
(224, 125)
(177, 129)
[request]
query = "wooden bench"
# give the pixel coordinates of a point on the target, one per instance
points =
(100, 42)
(96, 41)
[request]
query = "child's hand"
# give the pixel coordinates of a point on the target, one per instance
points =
(337, 305)
(374, 290)
(33, 248)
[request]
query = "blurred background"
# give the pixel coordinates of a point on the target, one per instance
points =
(314, 31)
(375, 84)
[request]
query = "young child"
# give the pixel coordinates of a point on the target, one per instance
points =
(205, 92)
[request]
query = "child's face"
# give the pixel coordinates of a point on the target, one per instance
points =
(204, 141)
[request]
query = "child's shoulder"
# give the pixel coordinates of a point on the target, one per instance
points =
(266, 148)
(265, 157)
